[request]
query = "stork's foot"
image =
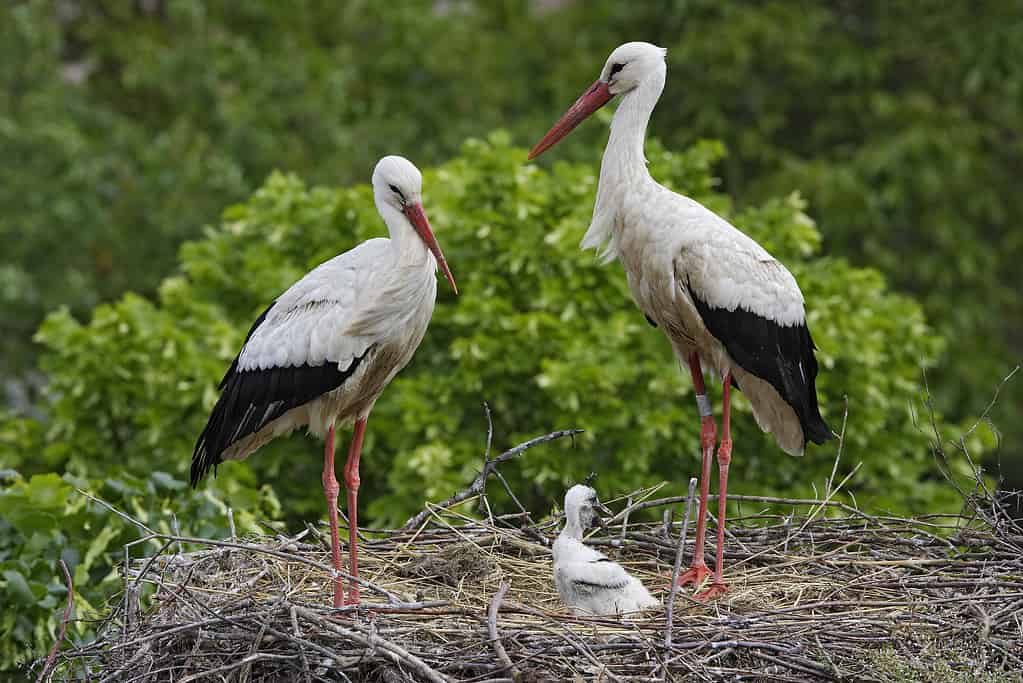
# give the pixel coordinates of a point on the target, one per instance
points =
(353, 596)
(716, 590)
(694, 575)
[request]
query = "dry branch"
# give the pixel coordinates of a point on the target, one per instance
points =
(478, 484)
(502, 654)
(63, 623)
(677, 568)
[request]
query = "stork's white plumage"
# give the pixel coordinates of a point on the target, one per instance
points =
(587, 581)
(321, 354)
(716, 294)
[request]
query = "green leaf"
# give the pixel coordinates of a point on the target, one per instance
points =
(17, 588)
(99, 545)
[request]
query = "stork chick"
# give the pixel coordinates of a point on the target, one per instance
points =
(587, 581)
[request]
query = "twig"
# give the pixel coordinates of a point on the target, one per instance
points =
(123, 515)
(298, 637)
(838, 451)
(396, 653)
(625, 518)
(672, 500)
(63, 624)
(486, 459)
(813, 513)
(678, 563)
(478, 483)
(286, 556)
(176, 528)
(511, 494)
(246, 662)
(831, 662)
(495, 637)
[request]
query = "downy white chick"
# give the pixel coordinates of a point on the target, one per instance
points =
(587, 581)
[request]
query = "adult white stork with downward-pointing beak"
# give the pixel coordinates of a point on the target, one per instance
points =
(322, 353)
(717, 294)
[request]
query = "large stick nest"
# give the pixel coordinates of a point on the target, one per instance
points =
(819, 590)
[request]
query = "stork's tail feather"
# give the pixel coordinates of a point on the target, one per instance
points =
(252, 399)
(816, 429)
(202, 460)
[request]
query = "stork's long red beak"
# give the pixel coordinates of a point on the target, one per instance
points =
(416, 216)
(595, 97)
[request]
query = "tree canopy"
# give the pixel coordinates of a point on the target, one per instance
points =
(127, 126)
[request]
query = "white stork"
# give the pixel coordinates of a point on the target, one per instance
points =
(321, 354)
(587, 581)
(716, 293)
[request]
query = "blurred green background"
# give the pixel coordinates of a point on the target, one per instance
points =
(874, 147)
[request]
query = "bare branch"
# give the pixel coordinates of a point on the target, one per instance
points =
(63, 624)
(495, 637)
(476, 487)
(676, 570)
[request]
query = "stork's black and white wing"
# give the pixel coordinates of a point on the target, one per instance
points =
(752, 305)
(295, 352)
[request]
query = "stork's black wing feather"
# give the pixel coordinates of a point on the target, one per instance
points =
(251, 399)
(779, 354)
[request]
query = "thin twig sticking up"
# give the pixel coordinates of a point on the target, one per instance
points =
(497, 473)
(495, 637)
(678, 563)
(477, 485)
(63, 624)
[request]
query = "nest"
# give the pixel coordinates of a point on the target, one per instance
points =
(819, 590)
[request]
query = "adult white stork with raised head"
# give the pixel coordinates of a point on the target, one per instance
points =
(321, 354)
(716, 294)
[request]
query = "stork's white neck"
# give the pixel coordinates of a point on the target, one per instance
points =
(623, 167)
(573, 528)
(624, 157)
(408, 247)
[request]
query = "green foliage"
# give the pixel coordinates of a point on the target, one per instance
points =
(44, 518)
(93, 197)
(126, 126)
(111, 455)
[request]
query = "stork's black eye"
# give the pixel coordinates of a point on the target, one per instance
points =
(615, 68)
(394, 189)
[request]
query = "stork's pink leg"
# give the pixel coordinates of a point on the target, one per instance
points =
(351, 474)
(708, 437)
(718, 586)
(330, 490)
